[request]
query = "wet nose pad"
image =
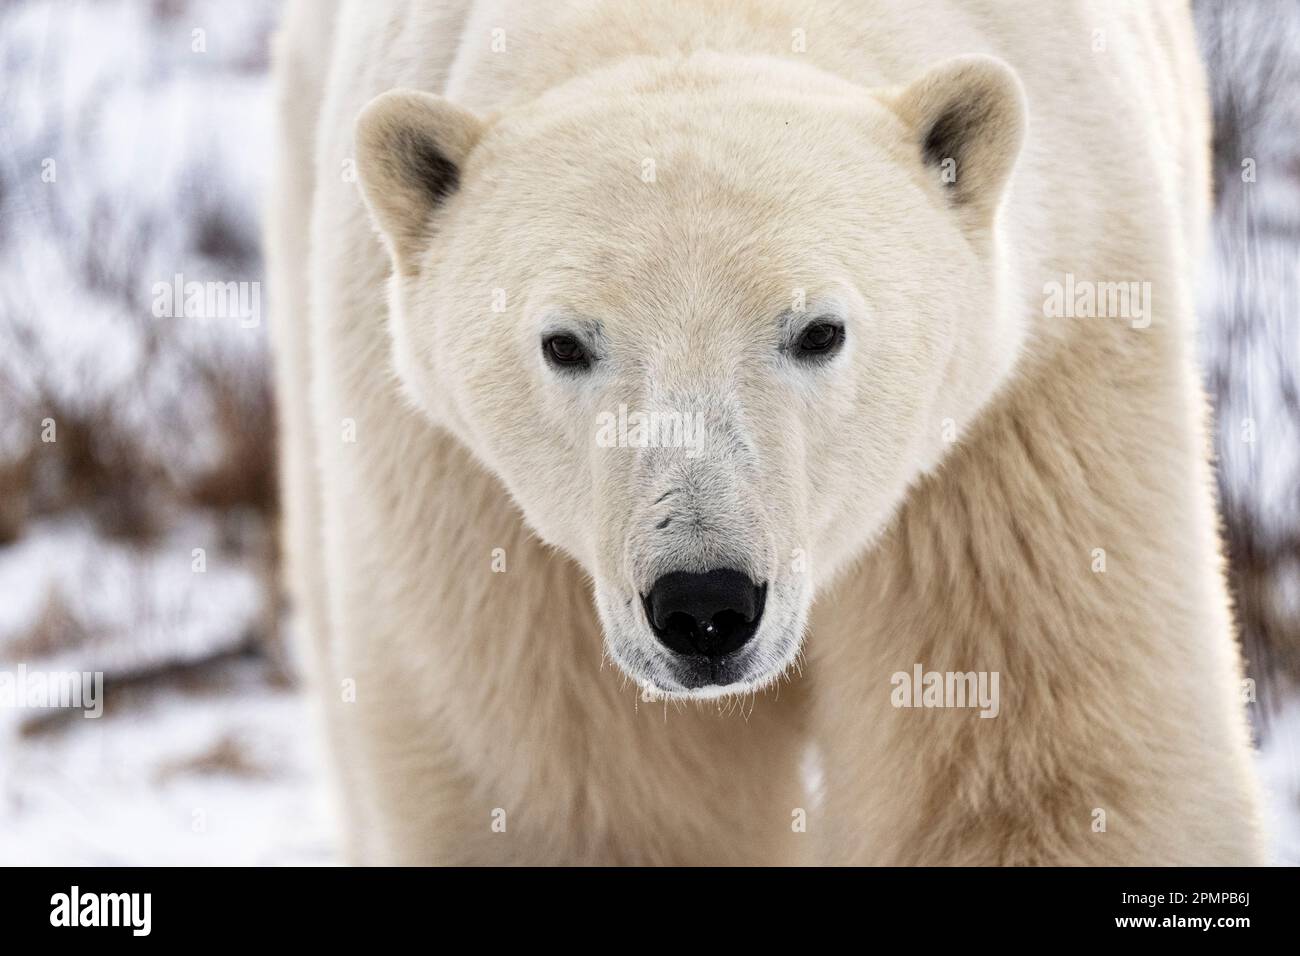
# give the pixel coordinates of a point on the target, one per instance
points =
(709, 614)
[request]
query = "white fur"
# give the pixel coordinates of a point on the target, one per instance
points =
(778, 172)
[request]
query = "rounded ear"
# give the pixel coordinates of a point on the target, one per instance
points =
(411, 147)
(967, 116)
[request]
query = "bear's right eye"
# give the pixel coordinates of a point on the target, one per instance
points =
(564, 351)
(819, 340)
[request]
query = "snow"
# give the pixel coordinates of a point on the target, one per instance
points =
(153, 785)
(138, 608)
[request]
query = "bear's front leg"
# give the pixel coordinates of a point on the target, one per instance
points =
(1037, 666)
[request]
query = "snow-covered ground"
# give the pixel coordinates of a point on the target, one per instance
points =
(133, 146)
(217, 768)
(76, 600)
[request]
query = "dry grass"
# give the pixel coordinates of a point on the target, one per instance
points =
(243, 415)
(55, 631)
(15, 495)
(227, 757)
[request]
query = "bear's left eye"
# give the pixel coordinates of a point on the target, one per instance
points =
(565, 351)
(819, 340)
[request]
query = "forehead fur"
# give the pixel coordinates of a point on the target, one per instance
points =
(697, 182)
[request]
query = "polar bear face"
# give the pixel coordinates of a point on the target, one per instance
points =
(706, 320)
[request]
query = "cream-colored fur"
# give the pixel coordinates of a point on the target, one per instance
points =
(683, 184)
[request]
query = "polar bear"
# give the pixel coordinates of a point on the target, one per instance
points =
(876, 257)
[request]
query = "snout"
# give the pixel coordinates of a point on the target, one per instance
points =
(706, 615)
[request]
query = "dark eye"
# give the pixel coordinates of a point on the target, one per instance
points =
(819, 340)
(565, 351)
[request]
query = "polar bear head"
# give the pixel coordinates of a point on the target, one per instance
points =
(707, 320)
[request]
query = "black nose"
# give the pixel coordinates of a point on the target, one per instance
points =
(711, 614)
